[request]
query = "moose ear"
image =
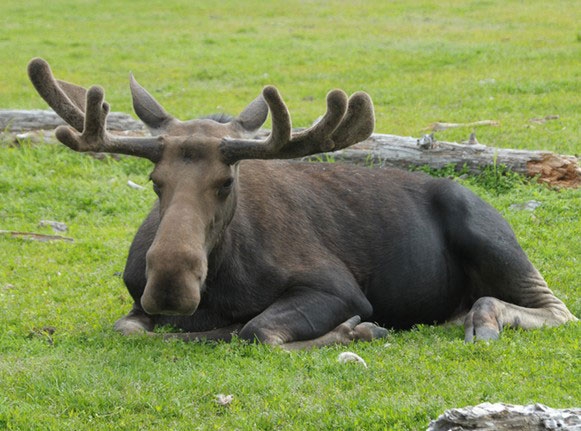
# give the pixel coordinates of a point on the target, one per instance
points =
(253, 116)
(147, 108)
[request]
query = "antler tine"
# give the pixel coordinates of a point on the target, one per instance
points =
(237, 149)
(86, 111)
(66, 99)
(281, 120)
(93, 131)
(318, 138)
(358, 123)
(346, 122)
(95, 137)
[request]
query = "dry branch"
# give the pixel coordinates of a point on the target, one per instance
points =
(438, 126)
(379, 150)
(41, 237)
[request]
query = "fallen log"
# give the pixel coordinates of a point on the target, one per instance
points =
(379, 150)
(17, 121)
(406, 152)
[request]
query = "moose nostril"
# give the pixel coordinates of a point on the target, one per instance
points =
(174, 291)
(155, 303)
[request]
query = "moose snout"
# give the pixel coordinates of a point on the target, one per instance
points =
(173, 284)
(169, 299)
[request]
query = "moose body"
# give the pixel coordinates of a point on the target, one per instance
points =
(297, 254)
(359, 237)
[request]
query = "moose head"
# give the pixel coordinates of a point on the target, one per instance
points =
(196, 167)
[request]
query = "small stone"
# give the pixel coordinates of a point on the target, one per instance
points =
(346, 357)
(134, 185)
(56, 226)
(526, 206)
(224, 400)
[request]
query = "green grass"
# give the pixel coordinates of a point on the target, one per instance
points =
(421, 62)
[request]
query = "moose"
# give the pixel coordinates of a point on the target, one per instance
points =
(243, 241)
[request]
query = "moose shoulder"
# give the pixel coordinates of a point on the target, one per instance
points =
(298, 254)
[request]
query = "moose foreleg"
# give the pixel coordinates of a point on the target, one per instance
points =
(218, 334)
(308, 317)
(136, 322)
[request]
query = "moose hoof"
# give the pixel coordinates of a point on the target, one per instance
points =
(353, 329)
(128, 326)
(481, 333)
(345, 332)
(482, 322)
(368, 331)
(486, 334)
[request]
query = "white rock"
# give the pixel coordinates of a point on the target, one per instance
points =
(134, 185)
(499, 416)
(345, 357)
(224, 400)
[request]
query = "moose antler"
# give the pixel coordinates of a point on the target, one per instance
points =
(346, 122)
(87, 112)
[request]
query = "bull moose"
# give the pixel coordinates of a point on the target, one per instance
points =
(300, 254)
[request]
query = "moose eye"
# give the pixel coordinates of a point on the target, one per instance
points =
(226, 187)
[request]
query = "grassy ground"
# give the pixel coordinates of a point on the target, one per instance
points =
(421, 62)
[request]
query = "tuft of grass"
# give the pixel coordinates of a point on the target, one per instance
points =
(448, 171)
(498, 178)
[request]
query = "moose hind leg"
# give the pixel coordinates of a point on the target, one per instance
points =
(489, 315)
(503, 286)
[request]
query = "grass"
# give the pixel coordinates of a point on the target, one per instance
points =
(421, 62)
(140, 384)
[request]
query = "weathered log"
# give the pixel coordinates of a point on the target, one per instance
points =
(406, 152)
(16, 121)
(499, 417)
(379, 150)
